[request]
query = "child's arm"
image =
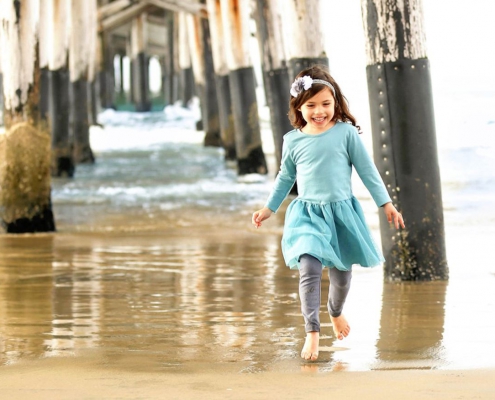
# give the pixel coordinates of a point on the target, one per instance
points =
(284, 181)
(366, 169)
(283, 184)
(260, 215)
(393, 215)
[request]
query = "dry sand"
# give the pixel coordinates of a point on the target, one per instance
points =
(70, 379)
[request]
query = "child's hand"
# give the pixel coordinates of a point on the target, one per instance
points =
(260, 215)
(393, 215)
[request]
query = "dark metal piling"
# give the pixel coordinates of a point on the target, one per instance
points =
(404, 142)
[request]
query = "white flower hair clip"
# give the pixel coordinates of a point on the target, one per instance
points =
(305, 83)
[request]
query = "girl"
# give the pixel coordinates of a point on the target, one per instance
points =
(324, 225)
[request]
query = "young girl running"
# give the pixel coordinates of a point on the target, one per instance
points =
(324, 225)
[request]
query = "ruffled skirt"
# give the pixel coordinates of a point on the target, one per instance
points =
(335, 233)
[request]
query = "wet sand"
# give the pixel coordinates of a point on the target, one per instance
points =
(210, 310)
(84, 379)
(138, 299)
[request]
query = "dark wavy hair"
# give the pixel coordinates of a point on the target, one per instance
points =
(342, 112)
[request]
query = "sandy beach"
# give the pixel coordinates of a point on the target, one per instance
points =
(79, 323)
(87, 379)
(156, 285)
(159, 287)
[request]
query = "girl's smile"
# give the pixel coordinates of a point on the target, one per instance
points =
(318, 112)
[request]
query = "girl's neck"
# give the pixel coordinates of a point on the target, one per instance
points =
(307, 129)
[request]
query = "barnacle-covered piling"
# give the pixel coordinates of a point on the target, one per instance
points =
(404, 141)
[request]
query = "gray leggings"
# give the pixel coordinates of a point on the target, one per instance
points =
(310, 271)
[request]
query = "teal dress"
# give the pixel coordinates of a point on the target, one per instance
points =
(326, 220)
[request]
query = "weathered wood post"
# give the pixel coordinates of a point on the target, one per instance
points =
(79, 49)
(186, 75)
(93, 62)
(1, 90)
(25, 204)
(275, 69)
(106, 74)
(121, 73)
(227, 131)
(44, 49)
(168, 61)
(62, 163)
(202, 63)
(404, 142)
(305, 44)
(139, 64)
(249, 150)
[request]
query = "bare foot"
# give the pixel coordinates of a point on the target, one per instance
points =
(340, 326)
(310, 348)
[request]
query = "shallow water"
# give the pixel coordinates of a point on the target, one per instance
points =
(155, 267)
(173, 300)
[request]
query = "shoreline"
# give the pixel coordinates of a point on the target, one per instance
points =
(84, 379)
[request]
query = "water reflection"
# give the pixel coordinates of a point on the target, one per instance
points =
(25, 296)
(183, 300)
(167, 301)
(411, 325)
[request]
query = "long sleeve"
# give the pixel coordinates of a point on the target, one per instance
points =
(367, 170)
(284, 181)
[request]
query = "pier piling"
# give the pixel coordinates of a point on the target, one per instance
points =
(305, 44)
(249, 150)
(186, 75)
(227, 130)
(275, 70)
(202, 64)
(79, 59)
(139, 64)
(25, 194)
(404, 141)
(57, 36)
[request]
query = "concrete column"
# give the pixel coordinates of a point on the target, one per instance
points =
(404, 141)
(25, 195)
(249, 150)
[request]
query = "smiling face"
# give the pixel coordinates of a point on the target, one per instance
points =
(318, 112)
